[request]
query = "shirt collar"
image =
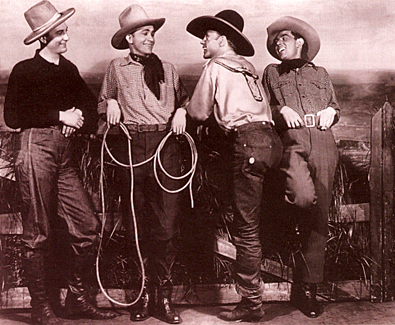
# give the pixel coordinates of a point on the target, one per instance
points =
(227, 55)
(41, 60)
(128, 60)
(285, 69)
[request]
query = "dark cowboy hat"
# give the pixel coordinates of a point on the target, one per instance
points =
(295, 25)
(132, 18)
(42, 18)
(226, 22)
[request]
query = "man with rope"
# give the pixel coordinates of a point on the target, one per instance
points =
(49, 101)
(147, 96)
(230, 89)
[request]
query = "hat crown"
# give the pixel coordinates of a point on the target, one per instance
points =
(131, 15)
(233, 18)
(40, 14)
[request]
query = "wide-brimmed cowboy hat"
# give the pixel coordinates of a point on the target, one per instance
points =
(42, 18)
(295, 25)
(132, 18)
(226, 22)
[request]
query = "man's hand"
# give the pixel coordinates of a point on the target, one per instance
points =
(326, 118)
(72, 117)
(292, 118)
(179, 122)
(113, 112)
(68, 130)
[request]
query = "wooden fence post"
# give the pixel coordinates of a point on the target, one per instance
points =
(382, 205)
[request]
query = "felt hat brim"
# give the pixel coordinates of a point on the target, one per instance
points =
(119, 42)
(200, 25)
(295, 25)
(34, 36)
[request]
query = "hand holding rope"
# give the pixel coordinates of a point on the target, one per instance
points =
(157, 161)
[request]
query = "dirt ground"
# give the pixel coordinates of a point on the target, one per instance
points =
(345, 313)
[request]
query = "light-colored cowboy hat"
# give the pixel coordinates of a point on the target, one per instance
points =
(42, 18)
(132, 18)
(295, 25)
(227, 22)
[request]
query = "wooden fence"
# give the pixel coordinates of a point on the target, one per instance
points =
(379, 214)
(382, 205)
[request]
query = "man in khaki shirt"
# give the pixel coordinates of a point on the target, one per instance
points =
(230, 89)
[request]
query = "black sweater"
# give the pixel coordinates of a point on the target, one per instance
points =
(37, 90)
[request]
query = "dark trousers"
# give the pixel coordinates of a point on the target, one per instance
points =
(50, 187)
(256, 149)
(157, 211)
(309, 162)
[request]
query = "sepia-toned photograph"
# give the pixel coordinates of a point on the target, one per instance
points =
(197, 162)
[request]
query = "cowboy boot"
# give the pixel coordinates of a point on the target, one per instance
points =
(247, 310)
(304, 298)
(41, 313)
(142, 311)
(164, 306)
(78, 303)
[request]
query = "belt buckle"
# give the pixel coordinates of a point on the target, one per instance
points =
(309, 120)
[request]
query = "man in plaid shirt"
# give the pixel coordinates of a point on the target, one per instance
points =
(146, 94)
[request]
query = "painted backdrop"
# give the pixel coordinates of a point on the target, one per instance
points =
(355, 34)
(357, 41)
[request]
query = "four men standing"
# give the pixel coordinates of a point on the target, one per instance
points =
(49, 101)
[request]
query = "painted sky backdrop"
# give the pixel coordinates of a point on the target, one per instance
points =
(355, 34)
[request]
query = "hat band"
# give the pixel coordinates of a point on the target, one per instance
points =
(48, 23)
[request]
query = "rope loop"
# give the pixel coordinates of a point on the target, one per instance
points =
(156, 162)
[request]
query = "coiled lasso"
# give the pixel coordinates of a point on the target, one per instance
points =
(156, 162)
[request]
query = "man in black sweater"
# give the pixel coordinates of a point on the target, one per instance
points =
(49, 101)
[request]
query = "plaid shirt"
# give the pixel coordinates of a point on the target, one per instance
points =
(124, 81)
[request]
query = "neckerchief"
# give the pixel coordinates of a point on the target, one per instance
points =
(288, 65)
(153, 71)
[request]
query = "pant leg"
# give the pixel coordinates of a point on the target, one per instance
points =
(255, 152)
(157, 212)
(74, 205)
(165, 207)
(118, 145)
(295, 168)
(309, 163)
(36, 174)
(323, 159)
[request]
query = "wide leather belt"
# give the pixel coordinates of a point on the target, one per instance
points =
(310, 120)
(146, 127)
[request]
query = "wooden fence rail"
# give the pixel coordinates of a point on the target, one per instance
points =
(379, 213)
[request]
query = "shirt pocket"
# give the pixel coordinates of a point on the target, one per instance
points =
(284, 87)
(318, 92)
